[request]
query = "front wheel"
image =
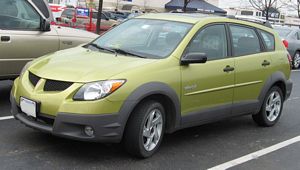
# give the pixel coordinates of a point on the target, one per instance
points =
(271, 109)
(145, 129)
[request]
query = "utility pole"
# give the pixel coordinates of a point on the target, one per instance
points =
(99, 16)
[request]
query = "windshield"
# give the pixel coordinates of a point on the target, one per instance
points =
(283, 32)
(145, 37)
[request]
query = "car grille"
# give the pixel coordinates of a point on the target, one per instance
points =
(33, 79)
(50, 85)
(53, 85)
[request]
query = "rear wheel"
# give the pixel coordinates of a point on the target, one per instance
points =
(145, 129)
(271, 109)
(296, 60)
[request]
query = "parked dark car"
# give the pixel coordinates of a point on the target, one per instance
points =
(291, 38)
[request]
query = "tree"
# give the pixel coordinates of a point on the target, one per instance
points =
(294, 5)
(186, 2)
(264, 6)
(99, 16)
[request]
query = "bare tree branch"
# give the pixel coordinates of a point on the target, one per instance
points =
(264, 5)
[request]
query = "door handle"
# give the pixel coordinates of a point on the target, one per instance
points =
(265, 63)
(5, 38)
(228, 69)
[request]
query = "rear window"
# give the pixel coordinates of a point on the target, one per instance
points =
(68, 13)
(268, 39)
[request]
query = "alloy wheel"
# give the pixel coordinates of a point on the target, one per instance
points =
(296, 61)
(273, 106)
(152, 130)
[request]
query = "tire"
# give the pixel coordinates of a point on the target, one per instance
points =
(138, 143)
(296, 60)
(270, 112)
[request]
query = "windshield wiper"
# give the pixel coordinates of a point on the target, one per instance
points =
(125, 52)
(102, 48)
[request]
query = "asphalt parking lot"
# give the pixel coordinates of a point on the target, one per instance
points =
(200, 147)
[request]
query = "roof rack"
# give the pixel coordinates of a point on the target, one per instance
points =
(251, 19)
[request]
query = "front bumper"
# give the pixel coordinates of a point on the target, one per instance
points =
(106, 126)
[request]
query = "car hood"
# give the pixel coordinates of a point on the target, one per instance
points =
(83, 65)
(71, 32)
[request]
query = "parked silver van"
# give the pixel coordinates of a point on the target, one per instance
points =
(26, 33)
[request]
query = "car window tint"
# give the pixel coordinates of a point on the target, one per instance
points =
(42, 7)
(211, 41)
(244, 41)
(19, 15)
(269, 40)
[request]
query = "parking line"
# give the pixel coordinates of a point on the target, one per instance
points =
(6, 117)
(294, 98)
(295, 70)
(256, 154)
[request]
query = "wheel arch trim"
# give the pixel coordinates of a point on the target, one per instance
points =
(144, 91)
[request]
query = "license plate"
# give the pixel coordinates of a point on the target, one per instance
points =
(28, 107)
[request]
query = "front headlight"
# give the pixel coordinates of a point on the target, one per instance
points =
(98, 90)
(25, 68)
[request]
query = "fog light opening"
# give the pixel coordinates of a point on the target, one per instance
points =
(89, 131)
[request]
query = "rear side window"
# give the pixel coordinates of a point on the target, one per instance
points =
(244, 40)
(268, 39)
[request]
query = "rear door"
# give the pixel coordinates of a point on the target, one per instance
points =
(20, 37)
(251, 64)
(207, 89)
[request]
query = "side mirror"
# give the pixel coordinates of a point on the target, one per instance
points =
(45, 25)
(192, 58)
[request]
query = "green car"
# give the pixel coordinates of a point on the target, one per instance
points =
(156, 74)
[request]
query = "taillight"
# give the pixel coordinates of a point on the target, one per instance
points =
(285, 43)
(290, 59)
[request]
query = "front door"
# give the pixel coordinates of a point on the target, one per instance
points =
(207, 89)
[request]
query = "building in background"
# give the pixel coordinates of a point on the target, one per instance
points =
(275, 16)
(148, 5)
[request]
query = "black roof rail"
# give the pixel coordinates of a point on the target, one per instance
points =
(251, 19)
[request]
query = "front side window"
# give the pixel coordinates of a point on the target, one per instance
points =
(145, 37)
(18, 15)
(211, 41)
(244, 41)
(268, 40)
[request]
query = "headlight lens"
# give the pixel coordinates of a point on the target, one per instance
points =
(98, 90)
(25, 68)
